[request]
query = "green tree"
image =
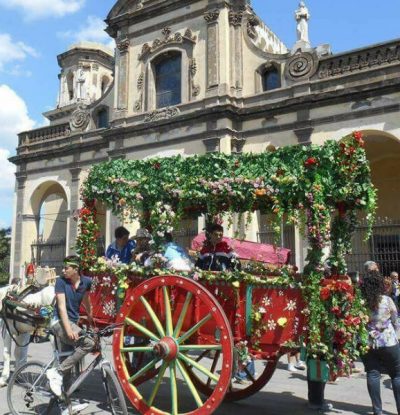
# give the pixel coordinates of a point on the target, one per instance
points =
(5, 248)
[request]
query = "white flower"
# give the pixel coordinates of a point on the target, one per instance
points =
(266, 301)
(262, 310)
(109, 308)
(291, 305)
(271, 325)
(280, 293)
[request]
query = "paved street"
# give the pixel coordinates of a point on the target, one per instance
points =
(284, 395)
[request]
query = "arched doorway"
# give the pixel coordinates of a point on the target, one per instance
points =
(50, 208)
(383, 153)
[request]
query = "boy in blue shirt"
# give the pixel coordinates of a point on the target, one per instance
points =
(122, 247)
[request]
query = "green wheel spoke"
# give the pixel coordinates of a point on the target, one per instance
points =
(153, 316)
(214, 365)
(142, 329)
(198, 366)
(168, 314)
(189, 382)
(193, 330)
(137, 349)
(186, 347)
(174, 389)
(144, 369)
(182, 316)
(158, 383)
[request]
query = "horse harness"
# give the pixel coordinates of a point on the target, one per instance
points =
(15, 310)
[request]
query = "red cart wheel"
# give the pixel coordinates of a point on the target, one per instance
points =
(237, 391)
(177, 320)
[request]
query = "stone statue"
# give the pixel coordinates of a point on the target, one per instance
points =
(81, 84)
(302, 17)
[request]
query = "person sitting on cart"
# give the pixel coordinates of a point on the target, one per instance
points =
(122, 247)
(71, 290)
(216, 254)
(177, 257)
(143, 251)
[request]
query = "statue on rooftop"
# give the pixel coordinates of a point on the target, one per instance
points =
(302, 17)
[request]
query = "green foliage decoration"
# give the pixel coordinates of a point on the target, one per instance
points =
(320, 187)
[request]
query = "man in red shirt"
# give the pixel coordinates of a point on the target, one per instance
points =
(216, 254)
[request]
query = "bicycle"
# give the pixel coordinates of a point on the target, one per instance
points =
(29, 391)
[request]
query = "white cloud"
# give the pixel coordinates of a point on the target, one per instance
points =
(36, 9)
(7, 171)
(14, 118)
(92, 31)
(11, 51)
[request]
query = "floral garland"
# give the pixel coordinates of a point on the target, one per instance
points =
(306, 185)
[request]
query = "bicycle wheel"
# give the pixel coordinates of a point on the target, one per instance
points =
(28, 391)
(115, 395)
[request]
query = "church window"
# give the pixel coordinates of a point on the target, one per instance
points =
(102, 118)
(168, 73)
(271, 79)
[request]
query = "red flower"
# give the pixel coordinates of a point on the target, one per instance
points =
(237, 163)
(157, 165)
(357, 135)
(336, 310)
(311, 161)
(325, 293)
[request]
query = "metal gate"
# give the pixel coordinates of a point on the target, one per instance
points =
(383, 247)
(49, 252)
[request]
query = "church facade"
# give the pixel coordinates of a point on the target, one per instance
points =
(197, 76)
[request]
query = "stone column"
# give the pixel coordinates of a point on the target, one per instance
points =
(72, 225)
(123, 74)
(17, 234)
(211, 18)
(236, 61)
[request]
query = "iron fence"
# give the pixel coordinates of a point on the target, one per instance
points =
(382, 247)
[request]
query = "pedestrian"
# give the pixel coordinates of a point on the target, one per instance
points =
(122, 247)
(370, 267)
(384, 352)
(298, 365)
(394, 276)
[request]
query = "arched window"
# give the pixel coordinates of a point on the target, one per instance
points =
(70, 86)
(271, 79)
(168, 74)
(102, 118)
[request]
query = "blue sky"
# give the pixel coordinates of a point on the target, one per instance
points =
(34, 32)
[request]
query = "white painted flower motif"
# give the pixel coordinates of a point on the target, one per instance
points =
(262, 310)
(266, 301)
(280, 293)
(271, 325)
(291, 305)
(109, 308)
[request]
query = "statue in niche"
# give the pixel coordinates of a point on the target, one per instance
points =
(80, 91)
(302, 17)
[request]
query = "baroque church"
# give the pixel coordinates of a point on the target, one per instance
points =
(197, 76)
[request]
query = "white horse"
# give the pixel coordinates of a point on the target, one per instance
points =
(20, 332)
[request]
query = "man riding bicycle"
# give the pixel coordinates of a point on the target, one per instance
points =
(71, 290)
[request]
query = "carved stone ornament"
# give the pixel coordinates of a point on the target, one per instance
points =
(193, 71)
(162, 114)
(80, 118)
(187, 37)
(140, 81)
(252, 22)
(211, 16)
(301, 66)
(123, 45)
(235, 18)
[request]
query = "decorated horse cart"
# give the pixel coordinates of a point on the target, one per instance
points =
(184, 336)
